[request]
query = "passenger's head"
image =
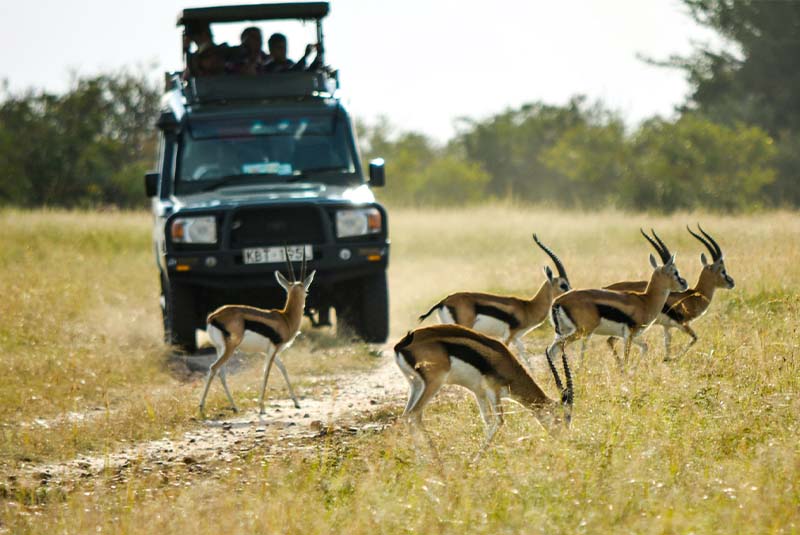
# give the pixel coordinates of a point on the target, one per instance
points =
(252, 40)
(277, 46)
(199, 33)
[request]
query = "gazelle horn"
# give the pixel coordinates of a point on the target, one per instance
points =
(559, 266)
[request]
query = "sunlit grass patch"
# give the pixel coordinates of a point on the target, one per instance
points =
(705, 443)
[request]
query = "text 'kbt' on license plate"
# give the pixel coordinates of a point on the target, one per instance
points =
(269, 255)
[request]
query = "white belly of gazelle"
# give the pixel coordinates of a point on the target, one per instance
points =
(255, 343)
(491, 327)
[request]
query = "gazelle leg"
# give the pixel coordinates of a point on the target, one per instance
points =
(492, 399)
(416, 403)
(612, 344)
(667, 340)
(416, 388)
(688, 330)
(584, 343)
(523, 353)
(222, 376)
(641, 345)
(626, 349)
(267, 366)
(282, 368)
(548, 353)
(224, 354)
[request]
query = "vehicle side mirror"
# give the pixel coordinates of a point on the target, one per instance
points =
(151, 184)
(377, 174)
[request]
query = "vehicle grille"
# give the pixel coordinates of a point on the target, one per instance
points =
(287, 225)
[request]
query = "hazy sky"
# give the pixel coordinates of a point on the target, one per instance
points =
(422, 63)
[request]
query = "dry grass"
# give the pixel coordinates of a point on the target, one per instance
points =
(707, 444)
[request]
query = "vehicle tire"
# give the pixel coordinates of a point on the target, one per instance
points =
(363, 309)
(374, 309)
(180, 316)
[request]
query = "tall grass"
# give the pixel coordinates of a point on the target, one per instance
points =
(705, 444)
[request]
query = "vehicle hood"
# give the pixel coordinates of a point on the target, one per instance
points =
(240, 195)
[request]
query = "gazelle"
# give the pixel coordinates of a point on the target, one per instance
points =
(430, 357)
(504, 317)
(256, 330)
(579, 314)
(682, 308)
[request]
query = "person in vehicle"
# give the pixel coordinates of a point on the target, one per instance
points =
(250, 58)
(209, 58)
(280, 63)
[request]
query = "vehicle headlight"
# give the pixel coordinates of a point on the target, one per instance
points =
(194, 230)
(358, 222)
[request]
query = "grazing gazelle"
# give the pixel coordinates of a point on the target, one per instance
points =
(256, 330)
(682, 308)
(504, 317)
(581, 313)
(430, 357)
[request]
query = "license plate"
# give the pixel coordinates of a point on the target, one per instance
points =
(273, 255)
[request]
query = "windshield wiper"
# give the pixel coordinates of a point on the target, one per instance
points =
(305, 173)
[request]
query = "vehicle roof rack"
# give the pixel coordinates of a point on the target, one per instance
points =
(254, 12)
(228, 87)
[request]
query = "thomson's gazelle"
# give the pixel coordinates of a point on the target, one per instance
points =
(682, 308)
(581, 313)
(430, 357)
(256, 330)
(504, 317)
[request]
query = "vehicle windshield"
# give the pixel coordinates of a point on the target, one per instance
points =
(265, 150)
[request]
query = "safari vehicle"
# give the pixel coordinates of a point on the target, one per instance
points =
(254, 168)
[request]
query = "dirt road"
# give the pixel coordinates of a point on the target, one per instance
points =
(344, 404)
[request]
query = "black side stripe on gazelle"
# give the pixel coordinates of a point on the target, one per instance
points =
(452, 311)
(264, 330)
(470, 356)
(221, 327)
(494, 312)
(672, 313)
(614, 314)
(408, 356)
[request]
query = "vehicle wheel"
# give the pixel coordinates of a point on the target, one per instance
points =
(348, 311)
(180, 314)
(375, 309)
(363, 310)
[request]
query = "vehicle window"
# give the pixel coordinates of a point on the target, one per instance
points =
(315, 148)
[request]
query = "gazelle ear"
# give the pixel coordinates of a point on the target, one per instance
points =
(548, 273)
(671, 259)
(282, 280)
(653, 261)
(703, 259)
(308, 280)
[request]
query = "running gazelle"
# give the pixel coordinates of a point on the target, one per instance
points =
(579, 314)
(682, 308)
(430, 357)
(256, 330)
(504, 317)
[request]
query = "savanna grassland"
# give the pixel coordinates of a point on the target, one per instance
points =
(707, 443)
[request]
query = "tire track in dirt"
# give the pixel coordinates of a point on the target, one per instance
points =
(345, 401)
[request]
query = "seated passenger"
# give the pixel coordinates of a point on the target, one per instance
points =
(280, 63)
(249, 58)
(209, 58)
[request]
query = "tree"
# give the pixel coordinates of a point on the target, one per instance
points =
(697, 163)
(420, 172)
(755, 80)
(88, 146)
